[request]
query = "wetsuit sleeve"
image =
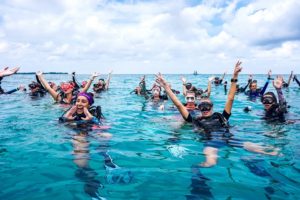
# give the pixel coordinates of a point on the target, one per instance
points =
(144, 90)
(295, 78)
(189, 118)
(11, 91)
(226, 115)
(75, 82)
(39, 82)
(243, 89)
(282, 102)
(264, 88)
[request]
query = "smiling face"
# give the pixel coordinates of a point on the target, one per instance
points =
(81, 103)
(206, 108)
(253, 86)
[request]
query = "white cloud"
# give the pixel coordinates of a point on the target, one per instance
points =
(174, 36)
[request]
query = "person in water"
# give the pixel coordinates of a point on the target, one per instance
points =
(286, 84)
(102, 85)
(275, 110)
(67, 95)
(81, 110)
(187, 86)
(253, 91)
(8, 72)
(218, 81)
(190, 99)
(212, 122)
(141, 90)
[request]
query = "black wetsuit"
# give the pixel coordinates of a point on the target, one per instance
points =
(215, 129)
(276, 113)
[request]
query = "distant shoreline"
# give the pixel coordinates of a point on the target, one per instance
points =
(43, 73)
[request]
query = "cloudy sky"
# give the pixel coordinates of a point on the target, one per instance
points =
(177, 36)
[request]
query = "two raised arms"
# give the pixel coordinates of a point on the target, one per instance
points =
(184, 112)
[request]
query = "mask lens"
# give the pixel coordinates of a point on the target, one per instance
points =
(205, 106)
(190, 99)
(267, 101)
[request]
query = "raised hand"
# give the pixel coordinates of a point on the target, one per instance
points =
(70, 113)
(210, 79)
(269, 73)
(39, 73)
(277, 83)
(183, 80)
(237, 68)
(88, 115)
(94, 75)
(161, 81)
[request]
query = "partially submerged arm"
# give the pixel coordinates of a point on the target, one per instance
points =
(232, 90)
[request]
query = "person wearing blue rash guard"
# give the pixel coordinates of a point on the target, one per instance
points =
(253, 91)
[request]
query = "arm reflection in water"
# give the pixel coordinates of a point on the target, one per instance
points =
(84, 172)
(114, 173)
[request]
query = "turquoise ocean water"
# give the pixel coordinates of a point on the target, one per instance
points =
(155, 151)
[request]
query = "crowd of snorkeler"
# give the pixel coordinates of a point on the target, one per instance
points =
(197, 108)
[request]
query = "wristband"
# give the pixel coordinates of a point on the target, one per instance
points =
(233, 80)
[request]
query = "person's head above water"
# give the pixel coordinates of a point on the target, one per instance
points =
(269, 99)
(34, 86)
(253, 86)
(206, 107)
(67, 87)
(156, 90)
(84, 100)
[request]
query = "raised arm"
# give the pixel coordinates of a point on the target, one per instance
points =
(108, 80)
(7, 72)
(74, 81)
(223, 77)
(232, 91)
(163, 83)
(290, 78)
(277, 83)
(266, 84)
(210, 79)
(88, 84)
(53, 93)
(183, 86)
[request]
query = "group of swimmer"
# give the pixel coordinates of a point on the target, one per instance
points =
(198, 108)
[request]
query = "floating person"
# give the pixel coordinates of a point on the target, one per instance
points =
(68, 93)
(8, 72)
(102, 85)
(214, 125)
